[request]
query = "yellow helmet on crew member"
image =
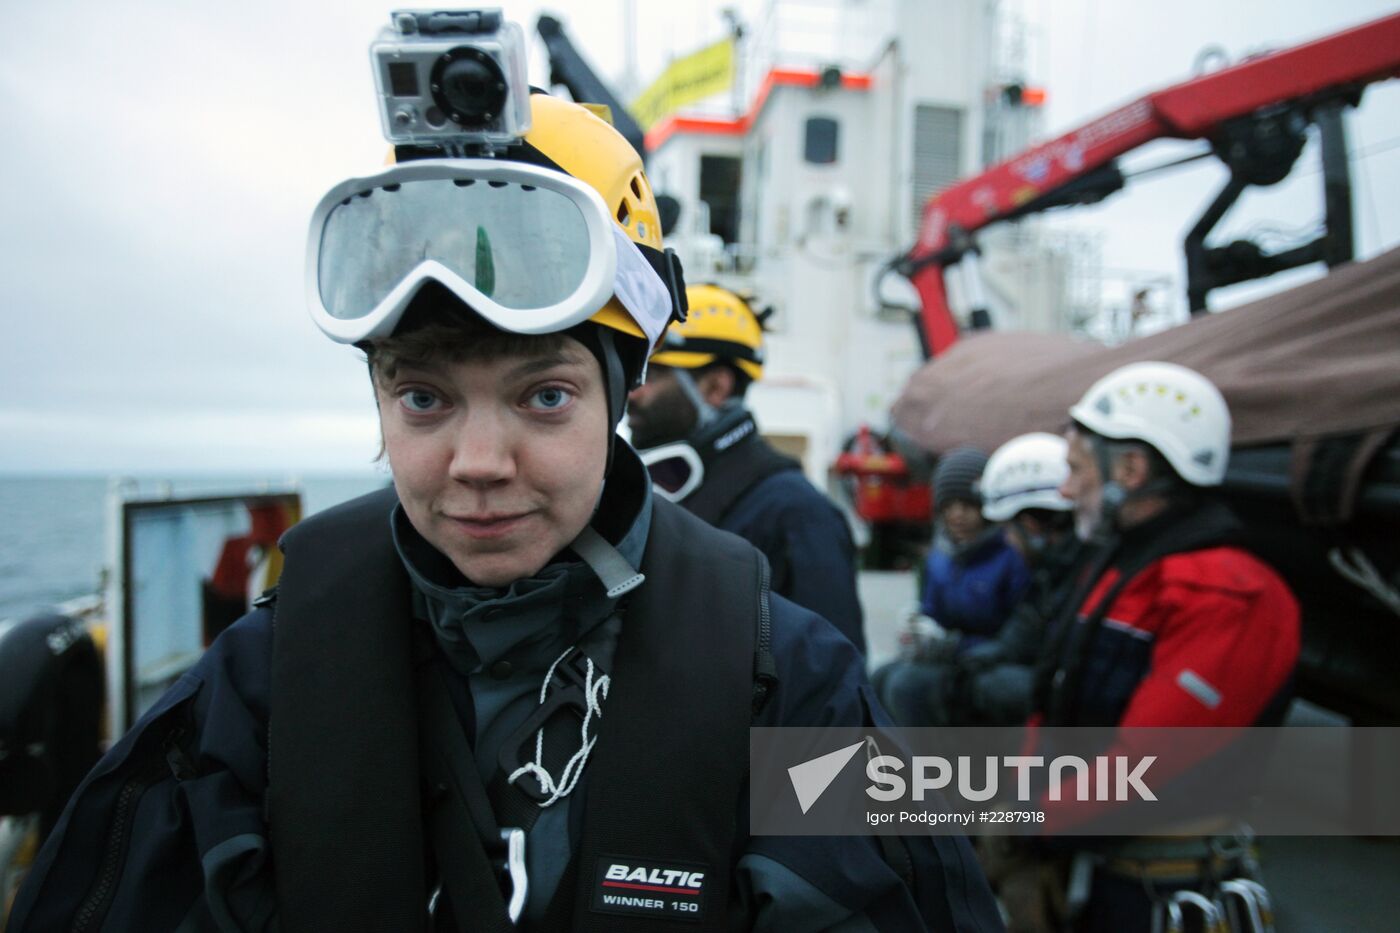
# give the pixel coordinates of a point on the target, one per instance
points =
(720, 327)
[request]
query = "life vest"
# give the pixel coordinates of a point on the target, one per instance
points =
(664, 781)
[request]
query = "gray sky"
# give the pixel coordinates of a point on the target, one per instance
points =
(164, 157)
(1099, 53)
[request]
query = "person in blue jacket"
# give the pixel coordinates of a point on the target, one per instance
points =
(974, 576)
(973, 579)
(489, 697)
(690, 422)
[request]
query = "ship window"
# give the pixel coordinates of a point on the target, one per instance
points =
(719, 188)
(823, 134)
(938, 133)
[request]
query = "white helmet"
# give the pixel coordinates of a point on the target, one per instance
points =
(1175, 410)
(1025, 473)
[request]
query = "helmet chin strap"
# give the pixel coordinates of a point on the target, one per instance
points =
(1112, 496)
(1115, 496)
(1111, 501)
(617, 388)
(705, 413)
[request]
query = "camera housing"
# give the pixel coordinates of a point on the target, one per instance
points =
(451, 77)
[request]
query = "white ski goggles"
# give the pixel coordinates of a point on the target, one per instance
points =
(532, 250)
(675, 470)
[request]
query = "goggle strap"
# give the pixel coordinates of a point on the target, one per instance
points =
(667, 266)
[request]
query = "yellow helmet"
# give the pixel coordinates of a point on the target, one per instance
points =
(587, 147)
(721, 327)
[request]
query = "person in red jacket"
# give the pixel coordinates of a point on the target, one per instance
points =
(1203, 633)
(1173, 622)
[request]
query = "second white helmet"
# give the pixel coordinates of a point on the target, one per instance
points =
(1025, 473)
(1169, 407)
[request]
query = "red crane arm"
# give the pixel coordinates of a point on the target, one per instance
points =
(1194, 109)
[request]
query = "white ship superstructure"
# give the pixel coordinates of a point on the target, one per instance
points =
(808, 175)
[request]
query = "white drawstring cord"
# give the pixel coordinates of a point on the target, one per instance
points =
(595, 692)
(1353, 564)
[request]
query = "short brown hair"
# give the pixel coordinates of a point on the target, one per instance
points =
(438, 328)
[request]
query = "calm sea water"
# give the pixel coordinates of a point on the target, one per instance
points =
(53, 539)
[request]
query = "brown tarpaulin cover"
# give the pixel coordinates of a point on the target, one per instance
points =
(1320, 359)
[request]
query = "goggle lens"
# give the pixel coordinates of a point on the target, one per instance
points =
(522, 246)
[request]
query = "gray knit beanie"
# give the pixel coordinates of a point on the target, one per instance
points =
(957, 475)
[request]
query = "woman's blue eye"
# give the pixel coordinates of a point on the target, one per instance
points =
(550, 398)
(419, 401)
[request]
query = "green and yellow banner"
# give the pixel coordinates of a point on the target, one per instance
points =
(685, 81)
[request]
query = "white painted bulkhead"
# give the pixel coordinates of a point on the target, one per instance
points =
(811, 237)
